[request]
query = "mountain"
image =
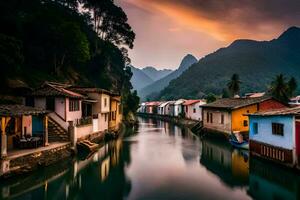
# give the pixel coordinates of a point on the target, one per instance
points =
(155, 74)
(154, 88)
(256, 62)
(139, 79)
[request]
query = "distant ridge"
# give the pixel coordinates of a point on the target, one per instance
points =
(257, 62)
(154, 88)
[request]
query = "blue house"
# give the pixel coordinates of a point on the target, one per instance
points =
(275, 135)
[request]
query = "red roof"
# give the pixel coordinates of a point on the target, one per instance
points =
(153, 103)
(190, 102)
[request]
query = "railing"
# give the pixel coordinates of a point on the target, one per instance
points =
(84, 121)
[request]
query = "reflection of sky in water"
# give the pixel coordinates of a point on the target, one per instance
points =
(158, 161)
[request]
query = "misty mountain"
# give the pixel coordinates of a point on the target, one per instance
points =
(139, 79)
(256, 62)
(155, 74)
(154, 88)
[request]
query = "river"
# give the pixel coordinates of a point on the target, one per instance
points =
(158, 160)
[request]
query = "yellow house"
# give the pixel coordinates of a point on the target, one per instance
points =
(228, 115)
(115, 115)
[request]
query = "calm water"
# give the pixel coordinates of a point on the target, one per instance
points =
(158, 161)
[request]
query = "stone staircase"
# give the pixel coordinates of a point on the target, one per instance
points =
(56, 133)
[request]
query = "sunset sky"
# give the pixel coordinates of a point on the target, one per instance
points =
(166, 30)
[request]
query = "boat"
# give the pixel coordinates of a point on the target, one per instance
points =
(240, 145)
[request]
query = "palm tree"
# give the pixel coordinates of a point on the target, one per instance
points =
(279, 88)
(234, 85)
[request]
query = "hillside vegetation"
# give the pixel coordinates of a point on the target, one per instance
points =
(256, 62)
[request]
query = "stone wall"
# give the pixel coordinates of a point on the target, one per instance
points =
(32, 161)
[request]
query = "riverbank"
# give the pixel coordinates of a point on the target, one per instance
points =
(22, 162)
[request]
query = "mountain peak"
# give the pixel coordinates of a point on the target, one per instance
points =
(292, 33)
(187, 61)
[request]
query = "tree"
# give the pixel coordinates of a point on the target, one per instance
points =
(225, 93)
(292, 86)
(110, 22)
(279, 88)
(210, 98)
(234, 85)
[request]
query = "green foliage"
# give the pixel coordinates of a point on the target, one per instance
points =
(131, 103)
(234, 85)
(211, 98)
(225, 93)
(255, 62)
(54, 40)
(281, 89)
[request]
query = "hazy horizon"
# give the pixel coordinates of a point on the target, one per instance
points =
(167, 30)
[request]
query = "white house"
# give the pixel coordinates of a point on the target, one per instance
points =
(178, 107)
(193, 110)
(55, 97)
(100, 109)
(162, 108)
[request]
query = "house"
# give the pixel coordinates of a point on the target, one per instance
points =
(275, 135)
(254, 94)
(115, 115)
(142, 108)
(152, 107)
(162, 108)
(56, 97)
(295, 100)
(169, 108)
(19, 121)
(178, 107)
(193, 109)
(97, 104)
(228, 115)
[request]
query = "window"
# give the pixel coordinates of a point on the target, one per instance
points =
(194, 110)
(255, 128)
(211, 118)
(245, 123)
(29, 101)
(207, 117)
(74, 105)
(222, 118)
(105, 117)
(105, 102)
(277, 129)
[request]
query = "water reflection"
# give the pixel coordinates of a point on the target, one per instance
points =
(231, 166)
(158, 160)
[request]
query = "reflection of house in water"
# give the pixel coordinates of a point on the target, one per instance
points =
(231, 167)
(101, 175)
(267, 181)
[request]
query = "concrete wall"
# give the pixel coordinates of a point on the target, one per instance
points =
(238, 118)
(40, 102)
(265, 135)
(60, 107)
(27, 123)
(73, 115)
(105, 108)
(83, 131)
(197, 115)
(217, 125)
(103, 121)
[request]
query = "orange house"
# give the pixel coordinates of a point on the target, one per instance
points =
(115, 115)
(228, 115)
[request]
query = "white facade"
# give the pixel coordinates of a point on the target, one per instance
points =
(194, 111)
(178, 107)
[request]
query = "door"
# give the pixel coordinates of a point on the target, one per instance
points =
(37, 126)
(298, 141)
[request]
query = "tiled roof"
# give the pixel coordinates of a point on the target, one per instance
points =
(190, 102)
(153, 103)
(18, 110)
(55, 89)
(86, 90)
(180, 101)
(233, 103)
(282, 111)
